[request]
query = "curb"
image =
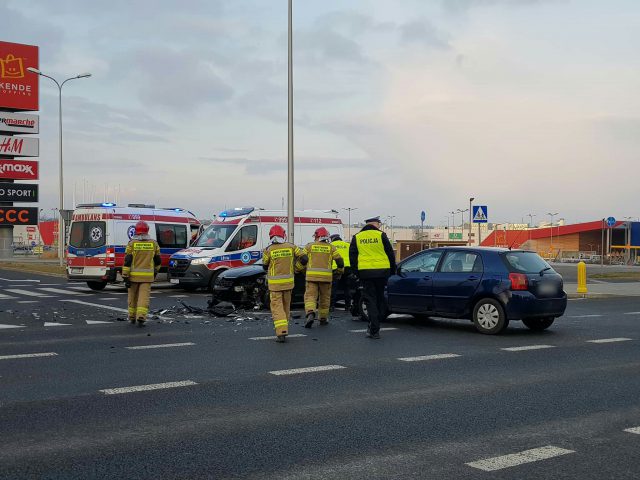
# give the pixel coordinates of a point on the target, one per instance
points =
(28, 270)
(599, 295)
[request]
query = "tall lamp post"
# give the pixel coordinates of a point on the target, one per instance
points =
(61, 229)
(530, 215)
(453, 225)
(471, 199)
(462, 212)
(551, 240)
(290, 197)
(348, 209)
(391, 217)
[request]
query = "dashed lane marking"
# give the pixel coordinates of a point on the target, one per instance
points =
(528, 347)
(56, 324)
(585, 316)
(273, 337)
(97, 305)
(27, 293)
(19, 281)
(363, 330)
(144, 388)
(164, 345)
(59, 291)
(422, 358)
(295, 371)
(95, 322)
(29, 301)
(632, 313)
(108, 298)
(609, 340)
(178, 296)
(5, 326)
(635, 430)
(5, 297)
(514, 459)
(28, 355)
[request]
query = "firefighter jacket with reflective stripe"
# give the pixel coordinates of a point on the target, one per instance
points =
(142, 259)
(343, 250)
(371, 254)
(279, 260)
(321, 257)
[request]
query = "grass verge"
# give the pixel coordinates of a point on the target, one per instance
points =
(42, 268)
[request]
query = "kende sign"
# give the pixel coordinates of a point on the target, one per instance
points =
(18, 192)
(18, 87)
(19, 123)
(19, 169)
(19, 146)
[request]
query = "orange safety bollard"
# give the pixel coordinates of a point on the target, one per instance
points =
(582, 278)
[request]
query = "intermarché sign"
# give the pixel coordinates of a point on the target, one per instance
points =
(18, 192)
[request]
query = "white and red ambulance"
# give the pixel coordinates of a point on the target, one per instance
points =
(237, 237)
(99, 234)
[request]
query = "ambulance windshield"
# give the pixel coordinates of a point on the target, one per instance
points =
(215, 236)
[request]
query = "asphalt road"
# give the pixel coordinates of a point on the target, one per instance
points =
(431, 399)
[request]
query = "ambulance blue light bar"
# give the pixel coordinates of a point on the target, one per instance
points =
(108, 204)
(236, 212)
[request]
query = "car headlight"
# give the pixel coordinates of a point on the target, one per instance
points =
(260, 281)
(200, 261)
(239, 288)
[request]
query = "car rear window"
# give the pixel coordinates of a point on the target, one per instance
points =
(525, 262)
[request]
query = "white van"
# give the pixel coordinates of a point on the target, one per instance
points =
(237, 237)
(100, 233)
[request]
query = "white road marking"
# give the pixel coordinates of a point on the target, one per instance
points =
(164, 345)
(59, 290)
(51, 285)
(56, 324)
(635, 430)
(178, 296)
(295, 371)
(84, 289)
(514, 459)
(29, 301)
(107, 298)
(95, 322)
(14, 280)
(609, 340)
(107, 307)
(428, 357)
(273, 337)
(585, 316)
(363, 330)
(632, 313)
(28, 293)
(4, 326)
(144, 388)
(528, 347)
(5, 297)
(28, 355)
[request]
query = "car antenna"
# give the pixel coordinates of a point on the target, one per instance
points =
(515, 239)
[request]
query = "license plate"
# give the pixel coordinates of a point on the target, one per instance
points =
(547, 289)
(76, 270)
(174, 280)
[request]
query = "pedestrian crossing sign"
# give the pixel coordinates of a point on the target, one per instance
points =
(480, 214)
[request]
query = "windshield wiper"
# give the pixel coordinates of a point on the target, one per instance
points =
(544, 270)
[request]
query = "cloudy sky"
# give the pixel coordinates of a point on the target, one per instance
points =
(401, 106)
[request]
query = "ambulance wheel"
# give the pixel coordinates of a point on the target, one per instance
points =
(97, 286)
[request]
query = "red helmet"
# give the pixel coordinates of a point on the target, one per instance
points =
(142, 228)
(321, 232)
(277, 231)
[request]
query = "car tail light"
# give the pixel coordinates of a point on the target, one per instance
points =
(519, 281)
(111, 256)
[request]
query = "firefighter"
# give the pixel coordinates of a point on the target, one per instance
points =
(372, 260)
(321, 255)
(141, 264)
(280, 260)
(343, 282)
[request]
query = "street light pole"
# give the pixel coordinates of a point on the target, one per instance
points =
(61, 229)
(471, 199)
(462, 212)
(391, 217)
(290, 193)
(348, 209)
(551, 240)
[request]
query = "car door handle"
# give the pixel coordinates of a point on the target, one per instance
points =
(473, 277)
(427, 277)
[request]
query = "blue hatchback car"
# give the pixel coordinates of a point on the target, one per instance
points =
(489, 286)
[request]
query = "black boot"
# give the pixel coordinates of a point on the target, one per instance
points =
(310, 318)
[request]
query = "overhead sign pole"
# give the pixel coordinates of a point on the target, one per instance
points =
(480, 215)
(290, 193)
(423, 217)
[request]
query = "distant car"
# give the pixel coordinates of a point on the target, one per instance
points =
(490, 286)
(247, 286)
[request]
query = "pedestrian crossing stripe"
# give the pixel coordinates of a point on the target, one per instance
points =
(3, 326)
(56, 324)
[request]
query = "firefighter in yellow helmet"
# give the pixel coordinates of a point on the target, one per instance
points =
(141, 264)
(279, 260)
(321, 255)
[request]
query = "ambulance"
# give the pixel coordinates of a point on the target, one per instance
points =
(237, 238)
(100, 232)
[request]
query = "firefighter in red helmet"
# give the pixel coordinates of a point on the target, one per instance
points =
(321, 255)
(279, 260)
(141, 264)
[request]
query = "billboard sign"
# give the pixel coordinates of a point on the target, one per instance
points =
(18, 215)
(19, 146)
(19, 169)
(18, 87)
(19, 123)
(18, 192)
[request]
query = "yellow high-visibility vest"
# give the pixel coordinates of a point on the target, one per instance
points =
(343, 250)
(371, 254)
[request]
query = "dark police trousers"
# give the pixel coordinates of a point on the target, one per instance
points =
(373, 295)
(345, 284)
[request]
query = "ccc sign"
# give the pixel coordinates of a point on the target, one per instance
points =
(18, 216)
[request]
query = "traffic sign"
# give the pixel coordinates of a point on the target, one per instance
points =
(480, 214)
(611, 221)
(423, 216)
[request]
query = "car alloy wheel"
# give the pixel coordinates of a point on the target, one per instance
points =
(489, 317)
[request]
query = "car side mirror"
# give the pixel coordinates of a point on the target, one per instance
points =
(399, 271)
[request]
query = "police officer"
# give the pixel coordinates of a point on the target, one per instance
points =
(373, 260)
(321, 255)
(342, 282)
(141, 263)
(279, 260)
